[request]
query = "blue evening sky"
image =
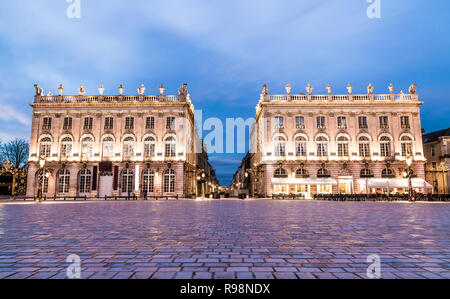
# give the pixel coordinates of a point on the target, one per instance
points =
(224, 50)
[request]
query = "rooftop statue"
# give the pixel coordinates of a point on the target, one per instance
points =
(121, 89)
(265, 90)
(413, 88)
(162, 89)
(81, 90)
(39, 90)
(288, 89)
(101, 90)
(349, 88)
(370, 89)
(329, 89)
(309, 89)
(141, 89)
(391, 88)
(60, 89)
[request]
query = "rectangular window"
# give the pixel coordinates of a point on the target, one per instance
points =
(88, 123)
(279, 122)
(301, 149)
(67, 123)
(129, 123)
(406, 149)
(170, 123)
(342, 149)
(405, 122)
(342, 122)
(364, 150)
(45, 150)
(433, 152)
(322, 150)
(300, 122)
(109, 123)
(170, 150)
(280, 150)
(385, 149)
(149, 150)
(362, 121)
(47, 123)
(150, 123)
(384, 122)
(321, 122)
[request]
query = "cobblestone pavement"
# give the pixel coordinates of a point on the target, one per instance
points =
(225, 239)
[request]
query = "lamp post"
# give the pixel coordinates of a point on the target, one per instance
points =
(44, 175)
(408, 173)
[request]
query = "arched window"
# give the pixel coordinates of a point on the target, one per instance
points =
(301, 173)
(385, 146)
(66, 147)
(169, 181)
(170, 146)
(366, 173)
(108, 147)
(364, 146)
(322, 147)
(406, 143)
(300, 146)
(45, 147)
(85, 181)
(387, 173)
(45, 177)
(280, 173)
(280, 146)
(149, 146)
(148, 181)
(128, 147)
(127, 181)
(63, 181)
(342, 143)
(323, 173)
(87, 145)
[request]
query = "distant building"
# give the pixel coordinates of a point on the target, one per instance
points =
(437, 152)
(114, 145)
(352, 143)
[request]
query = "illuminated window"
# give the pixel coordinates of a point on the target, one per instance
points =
(127, 181)
(128, 147)
(300, 146)
(148, 181)
(406, 144)
(63, 181)
(385, 146)
(45, 147)
(300, 122)
(67, 123)
(404, 120)
(150, 123)
(280, 146)
(109, 123)
(364, 146)
(342, 122)
(129, 123)
(88, 121)
(343, 146)
(169, 181)
(322, 147)
(321, 122)
(47, 123)
(45, 178)
(87, 145)
(108, 147)
(66, 147)
(170, 147)
(149, 147)
(85, 181)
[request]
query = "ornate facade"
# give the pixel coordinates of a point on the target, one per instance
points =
(352, 143)
(437, 152)
(117, 145)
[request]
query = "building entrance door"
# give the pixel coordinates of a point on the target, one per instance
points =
(345, 185)
(105, 186)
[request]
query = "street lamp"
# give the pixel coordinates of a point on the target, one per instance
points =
(44, 175)
(408, 173)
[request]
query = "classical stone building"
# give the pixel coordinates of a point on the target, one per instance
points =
(437, 152)
(115, 145)
(350, 143)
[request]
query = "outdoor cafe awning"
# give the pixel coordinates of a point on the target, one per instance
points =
(295, 181)
(393, 183)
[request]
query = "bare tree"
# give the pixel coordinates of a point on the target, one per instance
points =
(15, 151)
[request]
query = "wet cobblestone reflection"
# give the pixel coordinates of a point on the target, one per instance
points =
(225, 239)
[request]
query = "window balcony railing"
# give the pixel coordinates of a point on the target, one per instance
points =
(108, 127)
(342, 126)
(45, 127)
(363, 126)
(321, 127)
(67, 127)
(300, 126)
(406, 126)
(384, 126)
